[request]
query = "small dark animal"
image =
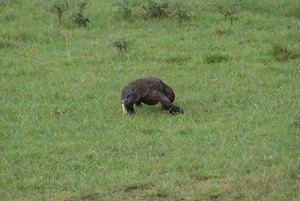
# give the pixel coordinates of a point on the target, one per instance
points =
(149, 90)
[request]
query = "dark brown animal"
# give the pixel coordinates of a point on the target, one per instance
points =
(149, 90)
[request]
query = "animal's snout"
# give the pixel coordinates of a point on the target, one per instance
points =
(123, 101)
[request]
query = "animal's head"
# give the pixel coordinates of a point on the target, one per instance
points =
(128, 93)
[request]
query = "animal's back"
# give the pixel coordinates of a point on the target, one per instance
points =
(153, 83)
(148, 83)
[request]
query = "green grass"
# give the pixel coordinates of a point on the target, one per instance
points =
(63, 135)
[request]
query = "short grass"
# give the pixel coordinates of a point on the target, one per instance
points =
(63, 135)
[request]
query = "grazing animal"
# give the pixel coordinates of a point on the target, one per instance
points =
(149, 90)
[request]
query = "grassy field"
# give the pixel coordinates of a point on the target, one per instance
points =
(62, 132)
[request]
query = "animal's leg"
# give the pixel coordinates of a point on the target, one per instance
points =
(139, 104)
(168, 92)
(130, 109)
(166, 103)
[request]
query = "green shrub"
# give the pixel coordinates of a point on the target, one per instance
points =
(123, 44)
(78, 18)
(229, 10)
(58, 7)
(124, 8)
(155, 10)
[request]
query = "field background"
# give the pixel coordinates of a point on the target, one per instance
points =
(62, 132)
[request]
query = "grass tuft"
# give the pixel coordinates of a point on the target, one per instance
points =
(283, 53)
(215, 58)
(296, 123)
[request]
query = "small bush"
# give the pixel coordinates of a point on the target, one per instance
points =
(58, 7)
(155, 10)
(230, 10)
(182, 11)
(78, 18)
(124, 8)
(123, 44)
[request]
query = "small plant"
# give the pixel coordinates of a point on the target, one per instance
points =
(124, 8)
(78, 18)
(230, 11)
(81, 6)
(284, 53)
(123, 44)
(155, 10)
(182, 11)
(58, 7)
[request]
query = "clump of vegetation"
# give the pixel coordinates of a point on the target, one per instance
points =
(124, 8)
(123, 44)
(182, 11)
(177, 59)
(230, 10)
(283, 53)
(296, 123)
(58, 7)
(215, 58)
(78, 18)
(155, 10)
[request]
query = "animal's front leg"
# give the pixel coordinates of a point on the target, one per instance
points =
(166, 103)
(139, 104)
(130, 109)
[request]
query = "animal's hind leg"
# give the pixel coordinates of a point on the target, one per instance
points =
(168, 92)
(166, 103)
